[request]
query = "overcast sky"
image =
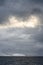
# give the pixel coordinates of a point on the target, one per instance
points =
(21, 27)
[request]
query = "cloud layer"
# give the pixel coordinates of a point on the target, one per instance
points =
(21, 41)
(21, 9)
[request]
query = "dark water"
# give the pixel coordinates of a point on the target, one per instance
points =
(21, 60)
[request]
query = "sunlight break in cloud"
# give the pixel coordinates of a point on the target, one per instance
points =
(17, 54)
(32, 22)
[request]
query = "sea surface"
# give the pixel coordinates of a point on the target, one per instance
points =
(13, 60)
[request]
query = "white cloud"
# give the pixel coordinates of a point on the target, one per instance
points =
(18, 54)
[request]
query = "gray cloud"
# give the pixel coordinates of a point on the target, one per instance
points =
(21, 9)
(2, 2)
(36, 11)
(23, 41)
(37, 1)
(39, 35)
(28, 41)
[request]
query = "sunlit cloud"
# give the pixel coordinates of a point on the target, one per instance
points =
(32, 22)
(17, 54)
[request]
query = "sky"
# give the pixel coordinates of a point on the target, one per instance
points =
(21, 27)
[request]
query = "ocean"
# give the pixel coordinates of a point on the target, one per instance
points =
(14, 60)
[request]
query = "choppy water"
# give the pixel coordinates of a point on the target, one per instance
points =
(21, 60)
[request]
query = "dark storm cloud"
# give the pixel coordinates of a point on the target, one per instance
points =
(37, 1)
(2, 2)
(21, 9)
(3, 15)
(36, 11)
